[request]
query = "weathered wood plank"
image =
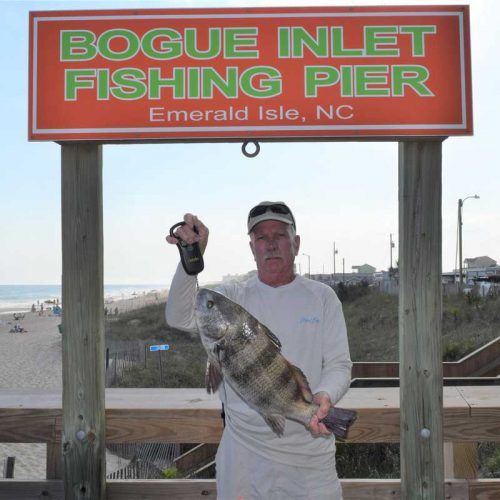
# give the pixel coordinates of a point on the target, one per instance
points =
(83, 322)
(484, 489)
(380, 489)
(463, 460)
(173, 489)
(13, 489)
(38, 426)
(156, 425)
(190, 415)
(55, 468)
(482, 400)
(353, 489)
(420, 307)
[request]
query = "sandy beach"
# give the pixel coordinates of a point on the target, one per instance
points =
(33, 359)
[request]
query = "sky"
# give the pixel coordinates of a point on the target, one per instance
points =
(340, 192)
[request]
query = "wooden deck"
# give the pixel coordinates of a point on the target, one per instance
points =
(471, 415)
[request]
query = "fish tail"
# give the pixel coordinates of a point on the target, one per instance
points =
(339, 420)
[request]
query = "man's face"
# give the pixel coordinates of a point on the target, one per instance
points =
(273, 248)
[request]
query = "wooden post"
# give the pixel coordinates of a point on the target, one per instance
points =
(8, 471)
(54, 468)
(83, 437)
(420, 305)
(161, 369)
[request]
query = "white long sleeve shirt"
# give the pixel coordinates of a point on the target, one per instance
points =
(307, 318)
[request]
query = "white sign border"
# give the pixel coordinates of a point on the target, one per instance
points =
(271, 128)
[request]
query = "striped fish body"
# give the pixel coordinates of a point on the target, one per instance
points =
(248, 356)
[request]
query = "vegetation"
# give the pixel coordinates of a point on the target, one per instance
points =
(183, 365)
(468, 323)
(169, 473)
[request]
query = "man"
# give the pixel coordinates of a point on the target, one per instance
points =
(252, 462)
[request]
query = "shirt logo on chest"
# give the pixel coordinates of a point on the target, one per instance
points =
(309, 319)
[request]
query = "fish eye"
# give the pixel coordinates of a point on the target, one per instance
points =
(210, 304)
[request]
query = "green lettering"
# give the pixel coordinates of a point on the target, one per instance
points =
(417, 37)
(373, 40)
(410, 76)
(366, 76)
(77, 79)
(193, 83)
(346, 81)
(104, 44)
(214, 44)
(211, 79)
(77, 45)
(129, 84)
(338, 45)
(283, 42)
(156, 83)
(319, 76)
(162, 43)
(103, 84)
(236, 40)
(318, 46)
(261, 81)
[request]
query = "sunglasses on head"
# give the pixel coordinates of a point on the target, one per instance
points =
(276, 208)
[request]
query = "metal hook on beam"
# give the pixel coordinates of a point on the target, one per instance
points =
(246, 152)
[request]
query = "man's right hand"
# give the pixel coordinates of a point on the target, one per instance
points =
(189, 235)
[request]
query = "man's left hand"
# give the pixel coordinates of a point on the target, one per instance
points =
(325, 403)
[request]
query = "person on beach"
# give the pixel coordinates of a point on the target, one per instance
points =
(252, 462)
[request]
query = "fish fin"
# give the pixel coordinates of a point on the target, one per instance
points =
(302, 382)
(276, 422)
(213, 378)
(270, 335)
(339, 420)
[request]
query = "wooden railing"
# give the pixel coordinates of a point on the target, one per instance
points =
(471, 415)
(484, 362)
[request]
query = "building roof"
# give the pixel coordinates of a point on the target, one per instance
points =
(483, 261)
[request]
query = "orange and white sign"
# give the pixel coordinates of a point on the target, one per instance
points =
(201, 74)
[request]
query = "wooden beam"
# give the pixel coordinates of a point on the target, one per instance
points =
(471, 414)
(353, 489)
(420, 307)
(83, 322)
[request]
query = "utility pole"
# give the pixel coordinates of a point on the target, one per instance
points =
(335, 252)
(309, 264)
(392, 246)
(460, 205)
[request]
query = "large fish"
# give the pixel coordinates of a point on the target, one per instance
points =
(248, 356)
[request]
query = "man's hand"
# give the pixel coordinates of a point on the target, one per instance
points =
(188, 234)
(323, 400)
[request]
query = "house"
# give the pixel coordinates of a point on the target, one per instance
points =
(365, 269)
(480, 262)
(480, 268)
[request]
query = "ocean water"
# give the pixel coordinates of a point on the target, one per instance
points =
(21, 297)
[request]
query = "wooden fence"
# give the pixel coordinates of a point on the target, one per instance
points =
(471, 415)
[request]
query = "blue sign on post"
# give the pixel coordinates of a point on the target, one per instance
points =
(161, 347)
